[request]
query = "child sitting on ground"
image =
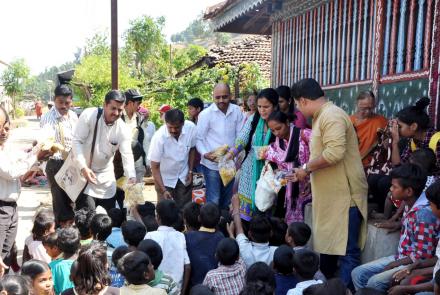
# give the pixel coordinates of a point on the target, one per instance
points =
(229, 277)
(116, 239)
(133, 233)
(260, 272)
(44, 225)
(202, 244)
(40, 276)
(161, 279)
(50, 244)
(101, 227)
(279, 228)
(191, 212)
(83, 219)
(175, 261)
(305, 264)
(418, 237)
(69, 244)
(117, 279)
(283, 267)
(256, 248)
(298, 235)
(138, 271)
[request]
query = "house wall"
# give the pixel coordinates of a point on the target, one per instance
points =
(387, 46)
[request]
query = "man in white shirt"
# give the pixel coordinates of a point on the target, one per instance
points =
(111, 134)
(172, 153)
(13, 165)
(218, 125)
(59, 124)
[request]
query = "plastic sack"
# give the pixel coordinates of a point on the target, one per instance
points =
(219, 152)
(267, 189)
(227, 170)
(134, 194)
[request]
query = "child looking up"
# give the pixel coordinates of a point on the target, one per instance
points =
(297, 235)
(283, 266)
(40, 276)
(305, 264)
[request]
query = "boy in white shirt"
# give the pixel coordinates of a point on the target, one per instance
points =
(305, 264)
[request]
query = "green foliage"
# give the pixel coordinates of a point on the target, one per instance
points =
(14, 79)
(183, 58)
(19, 112)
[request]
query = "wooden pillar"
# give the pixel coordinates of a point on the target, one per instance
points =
(114, 43)
(435, 67)
(378, 51)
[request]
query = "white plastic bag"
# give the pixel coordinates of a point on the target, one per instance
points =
(266, 191)
(134, 194)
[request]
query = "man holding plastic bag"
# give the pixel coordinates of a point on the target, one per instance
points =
(217, 129)
(172, 153)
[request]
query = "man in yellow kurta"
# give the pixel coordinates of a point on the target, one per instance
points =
(339, 185)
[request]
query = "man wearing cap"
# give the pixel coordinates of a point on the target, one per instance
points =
(59, 124)
(338, 182)
(111, 134)
(163, 109)
(217, 125)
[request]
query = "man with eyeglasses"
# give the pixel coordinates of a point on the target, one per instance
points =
(219, 124)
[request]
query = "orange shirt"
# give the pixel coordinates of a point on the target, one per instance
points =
(367, 135)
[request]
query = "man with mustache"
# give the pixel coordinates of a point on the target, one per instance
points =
(59, 124)
(111, 134)
(217, 125)
(172, 153)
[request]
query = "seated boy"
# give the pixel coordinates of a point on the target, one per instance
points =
(305, 264)
(138, 271)
(283, 267)
(69, 243)
(133, 233)
(116, 239)
(101, 227)
(229, 277)
(51, 246)
(297, 235)
(191, 212)
(201, 244)
(256, 248)
(175, 257)
(117, 279)
(83, 218)
(418, 237)
(161, 279)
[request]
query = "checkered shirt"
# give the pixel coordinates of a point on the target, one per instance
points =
(226, 280)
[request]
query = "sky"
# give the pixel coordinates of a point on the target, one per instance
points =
(48, 32)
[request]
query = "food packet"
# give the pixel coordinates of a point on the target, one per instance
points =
(279, 180)
(227, 170)
(134, 194)
(219, 152)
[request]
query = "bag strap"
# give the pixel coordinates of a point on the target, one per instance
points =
(94, 135)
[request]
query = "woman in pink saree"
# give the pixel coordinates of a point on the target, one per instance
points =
(290, 150)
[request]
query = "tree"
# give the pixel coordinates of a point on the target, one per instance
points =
(14, 79)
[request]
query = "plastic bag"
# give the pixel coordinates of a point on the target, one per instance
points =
(219, 152)
(227, 170)
(268, 187)
(134, 194)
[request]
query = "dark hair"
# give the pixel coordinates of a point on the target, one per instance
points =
(196, 102)
(168, 212)
(425, 158)
(33, 268)
(260, 229)
(179, 225)
(365, 94)
(433, 193)
(191, 212)
(260, 272)
(272, 96)
(283, 260)
(331, 287)
(63, 90)
(118, 253)
(410, 176)
(43, 221)
(146, 209)
(15, 285)
(153, 250)
(51, 240)
(209, 215)
(257, 288)
(200, 290)
(279, 228)
(91, 276)
(117, 216)
(115, 95)
(284, 92)
(437, 277)
(369, 291)
(68, 240)
(280, 117)
(227, 251)
(306, 263)
(83, 219)
(300, 232)
(101, 227)
(133, 267)
(150, 223)
(225, 218)
(133, 232)
(174, 116)
(308, 88)
(416, 114)
(7, 119)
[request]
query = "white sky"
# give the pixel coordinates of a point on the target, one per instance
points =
(48, 32)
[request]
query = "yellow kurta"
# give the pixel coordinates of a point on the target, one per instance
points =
(338, 187)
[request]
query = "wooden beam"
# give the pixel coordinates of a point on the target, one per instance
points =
(114, 43)
(253, 19)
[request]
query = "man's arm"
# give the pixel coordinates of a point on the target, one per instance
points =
(202, 133)
(186, 277)
(126, 153)
(80, 136)
(191, 158)
(155, 170)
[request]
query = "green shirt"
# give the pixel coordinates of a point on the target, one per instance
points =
(61, 274)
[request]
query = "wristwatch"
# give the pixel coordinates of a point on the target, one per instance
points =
(304, 167)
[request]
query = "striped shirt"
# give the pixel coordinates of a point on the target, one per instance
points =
(60, 128)
(165, 282)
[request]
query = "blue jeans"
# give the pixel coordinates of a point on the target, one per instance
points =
(372, 274)
(216, 192)
(352, 257)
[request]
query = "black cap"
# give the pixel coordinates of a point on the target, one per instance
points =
(133, 95)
